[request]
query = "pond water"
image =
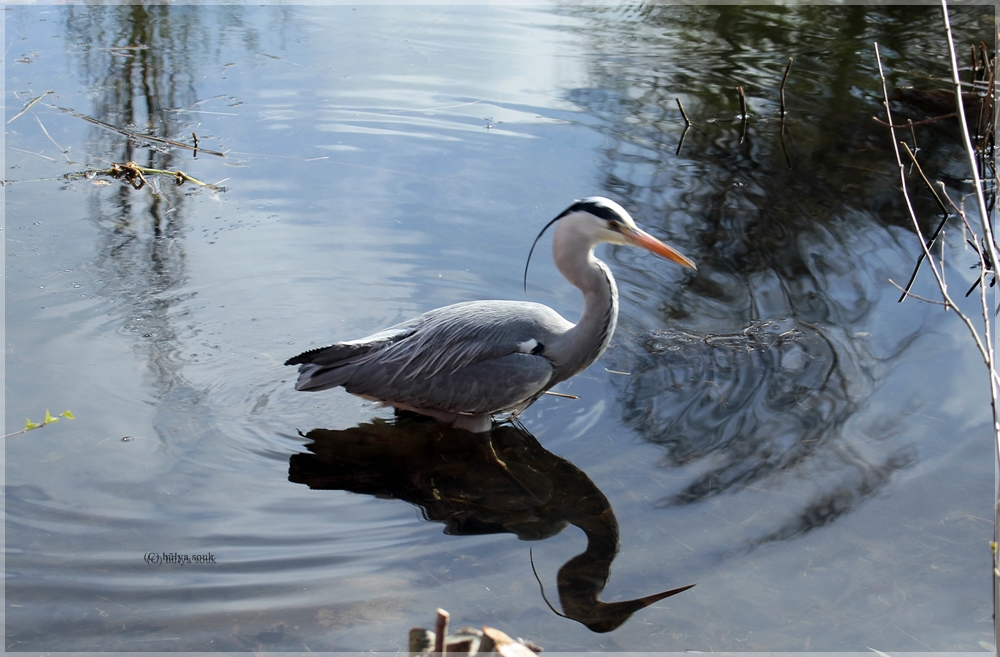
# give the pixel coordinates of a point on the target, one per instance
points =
(774, 428)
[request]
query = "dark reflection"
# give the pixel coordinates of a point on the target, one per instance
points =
(758, 365)
(453, 478)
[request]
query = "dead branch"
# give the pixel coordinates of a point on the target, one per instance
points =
(781, 89)
(687, 121)
(135, 175)
(27, 107)
(135, 136)
(984, 349)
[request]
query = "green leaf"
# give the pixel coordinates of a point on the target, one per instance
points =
(68, 415)
(29, 425)
(48, 417)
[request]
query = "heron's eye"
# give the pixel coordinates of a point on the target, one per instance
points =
(614, 225)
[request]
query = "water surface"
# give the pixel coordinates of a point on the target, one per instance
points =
(776, 428)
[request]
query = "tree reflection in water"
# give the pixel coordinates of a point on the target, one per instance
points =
(141, 74)
(451, 476)
(758, 365)
(142, 63)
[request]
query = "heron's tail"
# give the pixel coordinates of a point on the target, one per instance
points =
(329, 367)
(326, 367)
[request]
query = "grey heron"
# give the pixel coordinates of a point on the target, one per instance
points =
(463, 363)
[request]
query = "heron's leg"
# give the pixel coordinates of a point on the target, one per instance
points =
(491, 454)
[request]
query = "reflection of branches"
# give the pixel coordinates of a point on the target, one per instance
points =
(785, 256)
(137, 59)
(142, 64)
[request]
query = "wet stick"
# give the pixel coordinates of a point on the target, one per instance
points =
(687, 121)
(135, 175)
(135, 135)
(743, 112)
(781, 89)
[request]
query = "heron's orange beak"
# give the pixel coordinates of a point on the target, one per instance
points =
(641, 238)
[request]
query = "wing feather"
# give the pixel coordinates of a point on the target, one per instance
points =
(450, 338)
(464, 358)
(490, 386)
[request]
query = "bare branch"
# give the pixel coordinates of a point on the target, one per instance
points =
(781, 89)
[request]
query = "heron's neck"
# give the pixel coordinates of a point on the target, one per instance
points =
(586, 341)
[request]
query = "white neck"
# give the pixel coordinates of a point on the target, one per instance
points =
(584, 343)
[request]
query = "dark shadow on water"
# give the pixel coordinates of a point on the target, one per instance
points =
(451, 477)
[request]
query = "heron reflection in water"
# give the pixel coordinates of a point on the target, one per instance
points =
(466, 362)
(456, 481)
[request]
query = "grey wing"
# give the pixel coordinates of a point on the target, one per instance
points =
(489, 386)
(473, 357)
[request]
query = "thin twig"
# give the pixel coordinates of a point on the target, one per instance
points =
(941, 257)
(743, 111)
(531, 558)
(969, 150)
(61, 149)
(42, 126)
(687, 121)
(942, 287)
(21, 150)
(781, 89)
(27, 107)
(31, 426)
(984, 218)
(920, 258)
(913, 123)
(913, 134)
(927, 183)
(135, 135)
(974, 242)
(907, 293)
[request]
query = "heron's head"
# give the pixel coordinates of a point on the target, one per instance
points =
(595, 219)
